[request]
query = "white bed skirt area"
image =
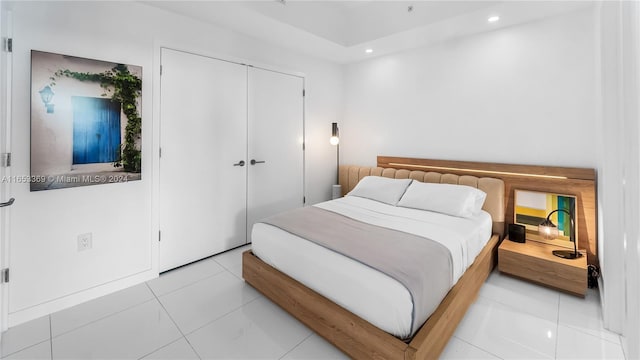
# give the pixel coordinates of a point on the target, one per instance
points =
(364, 291)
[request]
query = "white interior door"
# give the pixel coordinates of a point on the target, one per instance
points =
(203, 130)
(276, 137)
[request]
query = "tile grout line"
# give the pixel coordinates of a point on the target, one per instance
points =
(229, 269)
(23, 349)
(555, 354)
(50, 338)
(296, 346)
(474, 302)
(157, 297)
(99, 319)
(222, 266)
(192, 348)
(213, 258)
(622, 349)
(174, 323)
(230, 252)
(169, 344)
(188, 284)
(477, 347)
(34, 344)
(221, 316)
(200, 327)
(582, 330)
(512, 307)
(585, 330)
(236, 276)
(590, 335)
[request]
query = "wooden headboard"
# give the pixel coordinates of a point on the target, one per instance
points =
(580, 182)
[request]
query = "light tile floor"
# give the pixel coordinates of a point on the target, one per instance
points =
(206, 311)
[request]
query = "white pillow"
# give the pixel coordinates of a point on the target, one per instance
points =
(382, 189)
(457, 200)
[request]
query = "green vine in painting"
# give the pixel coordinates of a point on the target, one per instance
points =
(126, 88)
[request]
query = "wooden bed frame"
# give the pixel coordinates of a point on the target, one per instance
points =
(357, 337)
(361, 340)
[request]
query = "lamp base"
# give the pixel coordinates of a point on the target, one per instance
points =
(566, 254)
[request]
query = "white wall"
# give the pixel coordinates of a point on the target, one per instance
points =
(495, 93)
(47, 272)
(486, 97)
(629, 77)
(611, 167)
(619, 169)
(490, 97)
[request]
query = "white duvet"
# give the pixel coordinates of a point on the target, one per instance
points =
(362, 290)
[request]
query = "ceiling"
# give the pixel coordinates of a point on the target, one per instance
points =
(350, 23)
(341, 31)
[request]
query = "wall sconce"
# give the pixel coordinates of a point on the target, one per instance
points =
(335, 140)
(47, 95)
(335, 133)
(549, 231)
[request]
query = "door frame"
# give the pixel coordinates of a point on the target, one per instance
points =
(6, 66)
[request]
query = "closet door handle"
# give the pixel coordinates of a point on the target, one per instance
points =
(254, 161)
(240, 163)
(8, 203)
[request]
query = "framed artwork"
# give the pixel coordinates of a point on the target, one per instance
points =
(532, 207)
(86, 127)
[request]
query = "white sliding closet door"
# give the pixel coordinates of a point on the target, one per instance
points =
(276, 128)
(203, 132)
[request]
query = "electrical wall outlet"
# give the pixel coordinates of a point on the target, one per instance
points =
(85, 241)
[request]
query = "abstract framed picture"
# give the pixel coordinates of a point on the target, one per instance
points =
(86, 127)
(532, 207)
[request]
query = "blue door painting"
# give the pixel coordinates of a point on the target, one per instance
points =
(96, 130)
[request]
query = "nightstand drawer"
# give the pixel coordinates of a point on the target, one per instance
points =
(535, 262)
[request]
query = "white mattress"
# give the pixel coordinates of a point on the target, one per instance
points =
(362, 290)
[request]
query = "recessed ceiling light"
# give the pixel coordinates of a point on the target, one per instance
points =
(369, 51)
(493, 19)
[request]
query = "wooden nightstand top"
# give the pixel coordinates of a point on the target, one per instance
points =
(534, 261)
(542, 251)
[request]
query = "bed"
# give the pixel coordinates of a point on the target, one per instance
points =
(281, 271)
(368, 292)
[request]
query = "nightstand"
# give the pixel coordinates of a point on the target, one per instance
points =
(534, 261)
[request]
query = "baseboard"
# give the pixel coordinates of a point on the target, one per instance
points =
(50, 307)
